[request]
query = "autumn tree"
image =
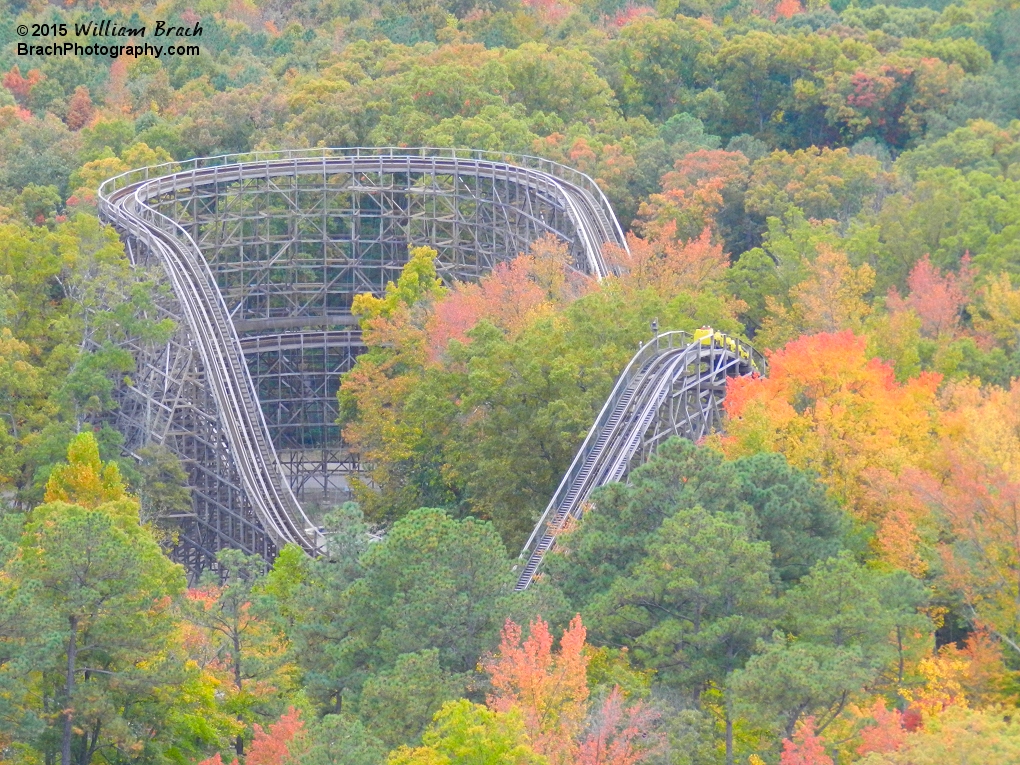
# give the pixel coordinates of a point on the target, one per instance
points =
(549, 687)
(274, 745)
(619, 734)
(668, 266)
(705, 190)
(471, 734)
(20, 85)
(830, 299)
(806, 748)
(93, 645)
(237, 618)
(886, 734)
(830, 408)
(936, 298)
(518, 360)
(991, 736)
(889, 97)
(80, 109)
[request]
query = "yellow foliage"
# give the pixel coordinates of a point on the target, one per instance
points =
(831, 299)
(943, 682)
(85, 480)
(998, 311)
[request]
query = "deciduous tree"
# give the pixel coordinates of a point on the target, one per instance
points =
(550, 688)
(830, 408)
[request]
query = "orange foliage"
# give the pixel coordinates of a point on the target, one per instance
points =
(80, 110)
(117, 94)
(609, 165)
(899, 541)
(668, 266)
(806, 748)
(957, 676)
(788, 8)
(511, 296)
(830, 408)
(270, 747)
(887, 734)
(695, 192)
(549, 688)
(902, 516)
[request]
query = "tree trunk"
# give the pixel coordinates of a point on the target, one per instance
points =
(72, 655)
(239, 743)
(49, 755)
(729, 737)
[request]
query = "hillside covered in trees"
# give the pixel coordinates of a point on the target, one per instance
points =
(834, 578)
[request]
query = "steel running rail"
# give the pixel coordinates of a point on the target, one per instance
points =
(674, 367)
(125, 202)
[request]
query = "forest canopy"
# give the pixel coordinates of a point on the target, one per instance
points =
(833, 577)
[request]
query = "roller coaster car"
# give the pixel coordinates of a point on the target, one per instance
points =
(708, 336)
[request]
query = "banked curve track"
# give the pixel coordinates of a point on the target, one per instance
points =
(239, 240)
(491, 209)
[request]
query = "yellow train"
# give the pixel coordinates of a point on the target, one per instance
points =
(709, 336)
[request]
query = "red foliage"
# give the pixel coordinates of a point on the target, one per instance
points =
(887, 734)
(21, 87)
(871, 88)
(632, 13)
(620, 735)
(549, 11)
(937, 299)
(550, 689)
(272, 747)
(912, 720)
(806, 747)
(80, 110)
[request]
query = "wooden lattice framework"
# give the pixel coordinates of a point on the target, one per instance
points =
(263, 255)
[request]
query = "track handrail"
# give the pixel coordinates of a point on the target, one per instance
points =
(607, 218)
